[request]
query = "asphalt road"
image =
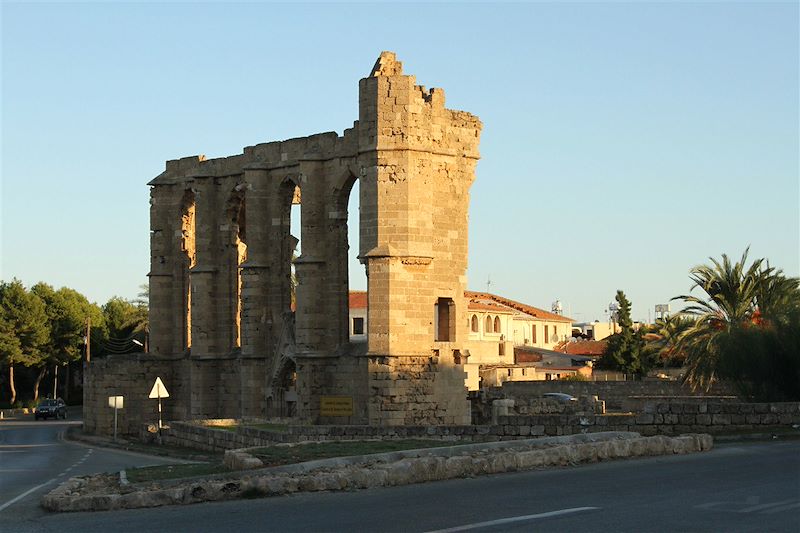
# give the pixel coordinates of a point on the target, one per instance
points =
(34, 459)
(735, 487)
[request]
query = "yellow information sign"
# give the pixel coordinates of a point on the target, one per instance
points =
(336, 406)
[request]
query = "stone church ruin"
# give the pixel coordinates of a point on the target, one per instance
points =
(230, 335)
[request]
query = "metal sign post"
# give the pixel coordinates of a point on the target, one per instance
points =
(159, 391)
(117, 403)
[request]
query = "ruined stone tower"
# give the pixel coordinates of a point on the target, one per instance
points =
(223, 326)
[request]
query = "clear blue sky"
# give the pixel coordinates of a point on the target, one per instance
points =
(623, 143)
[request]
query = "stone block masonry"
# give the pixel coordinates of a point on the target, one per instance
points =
(101, 493)
(667, 419)
(238, 339)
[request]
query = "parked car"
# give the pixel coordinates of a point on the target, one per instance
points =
(51, 409)
(560, 396)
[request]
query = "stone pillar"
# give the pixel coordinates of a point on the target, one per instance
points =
(204, 275)
(168, 273)
(255, 271)
(415, 200)
(313, 322)
(417, 160)
(232, 195)
(337, 271)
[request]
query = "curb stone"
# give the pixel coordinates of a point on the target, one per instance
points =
(104, 492)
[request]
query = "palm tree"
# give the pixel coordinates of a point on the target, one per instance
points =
(662, 339)
(736, 297)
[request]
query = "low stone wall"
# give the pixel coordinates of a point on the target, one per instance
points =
(613, 392)
(659, 419)
(203, 436)
(637, 404)
(104, 492)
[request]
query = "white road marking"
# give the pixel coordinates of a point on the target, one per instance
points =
(34, 489)
(29, 491)
(502, 521)
(782, 508)
(764, 506)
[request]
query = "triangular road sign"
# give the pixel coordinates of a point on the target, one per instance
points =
(159, 390)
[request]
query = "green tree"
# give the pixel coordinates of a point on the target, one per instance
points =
(125, 321)
(143, 296)
(661, 340)
(746, 329)
(24, 330)
(67, 311)
(624, 350)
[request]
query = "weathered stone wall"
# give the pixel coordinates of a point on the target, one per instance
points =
(674, 419)
(131, 376)
(613, 392)
(222, 321)
(213, 386)
(386, 391)
(369, 471)
(665, 419)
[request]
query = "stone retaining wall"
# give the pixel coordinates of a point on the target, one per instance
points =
(660, 419)
(205, 437)
(665, 419)
(613, 392)
(392, 469)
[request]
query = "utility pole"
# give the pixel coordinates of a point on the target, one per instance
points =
(88, 339)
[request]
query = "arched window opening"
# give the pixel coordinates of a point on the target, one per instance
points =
(188, 247)
(294, 242)
(474, 323)
(497, 328)
(489, 324)
(533, 333)
(236, 217)
(353, 274)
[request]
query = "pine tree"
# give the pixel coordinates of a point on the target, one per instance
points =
(24, 330)
(624, 350)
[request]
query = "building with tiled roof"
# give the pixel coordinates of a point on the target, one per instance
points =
(358, 316)
(585, 348)
(497, 327)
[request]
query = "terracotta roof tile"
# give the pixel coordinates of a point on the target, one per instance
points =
(523, 308)
(358, 299)
(585, 347)
(475, 305)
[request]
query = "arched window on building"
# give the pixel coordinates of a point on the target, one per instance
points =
(489, 324)
(497, 324)
(474, 323)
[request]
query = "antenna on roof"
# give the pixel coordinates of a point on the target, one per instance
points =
(488, 282)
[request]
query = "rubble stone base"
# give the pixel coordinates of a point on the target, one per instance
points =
(100, 493)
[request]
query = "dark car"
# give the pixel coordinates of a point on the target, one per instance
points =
(560, 396)
(51, 409)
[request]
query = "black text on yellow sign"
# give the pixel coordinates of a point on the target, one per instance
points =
(336, 406)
